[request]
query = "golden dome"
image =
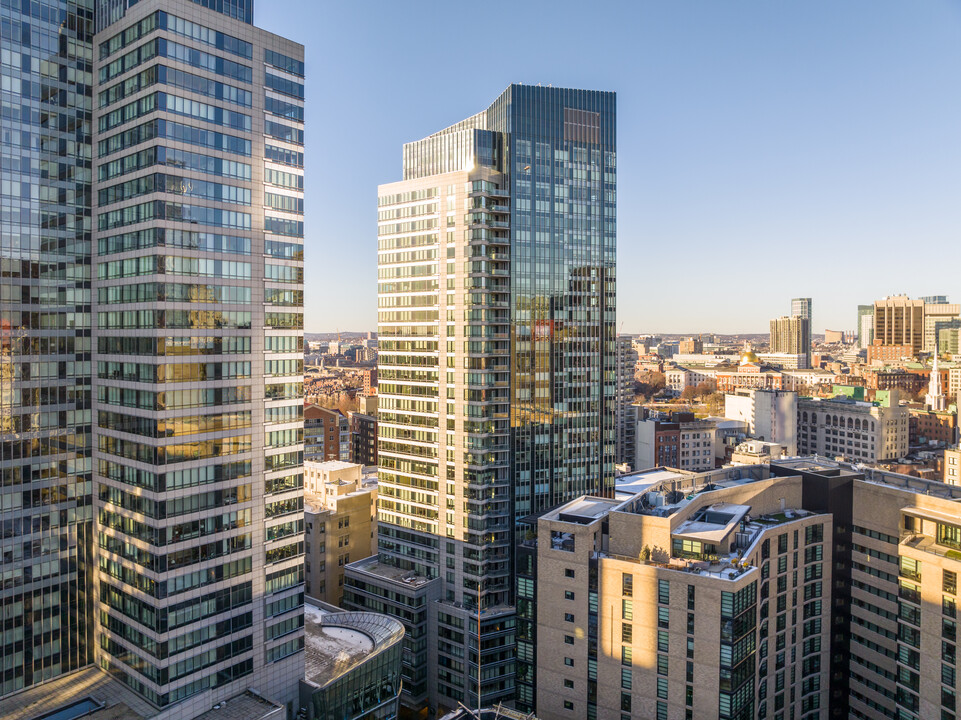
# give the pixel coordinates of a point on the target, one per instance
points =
(748, 356)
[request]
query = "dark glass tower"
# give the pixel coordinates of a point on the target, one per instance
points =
(45, 461)
(497, 375)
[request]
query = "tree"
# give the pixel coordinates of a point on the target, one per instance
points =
(649, 383)
(715, 403)
(705, 388)
(689, 393)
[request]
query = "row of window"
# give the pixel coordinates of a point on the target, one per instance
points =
(177, 185)
(181, 159)
(163, 75)
(174, 292)
(168, 129)
(188, 345)
(176, 212)
(174, 265)
(178, 26)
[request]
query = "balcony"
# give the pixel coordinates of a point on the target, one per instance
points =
(927, 544)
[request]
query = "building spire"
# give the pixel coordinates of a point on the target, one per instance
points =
(935, 398)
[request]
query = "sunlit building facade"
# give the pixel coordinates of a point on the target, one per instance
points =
(496, 375)
(197, 276)
(802, 588)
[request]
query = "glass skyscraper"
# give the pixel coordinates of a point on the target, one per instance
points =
(496, 375)
(152, 350)
(46, 507)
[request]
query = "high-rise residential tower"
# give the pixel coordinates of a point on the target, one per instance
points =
(152, 352)
(939, 317)
(198, 356)
(898, 320)
(496, 375)
(625, 411)
(791, 335)
(865, 326)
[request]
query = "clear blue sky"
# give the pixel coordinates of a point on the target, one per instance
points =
(766, 149)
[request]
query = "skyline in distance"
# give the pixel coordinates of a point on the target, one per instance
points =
(828, 162)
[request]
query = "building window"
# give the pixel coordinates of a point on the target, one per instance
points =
(568, 705)
(568, 572)
(568, 617)
(568, 594)
(569, 662)
(663, 592)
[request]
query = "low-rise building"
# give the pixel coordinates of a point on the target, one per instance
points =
(326, 434)
(372, 586)
(682, 377)
(803, 587)
(679, 598)
(756, 452)
(932, 427)
(657, 443)
(340, 513)
(675, 440)
(367, 404)
(696, 446)
(891, 379)
(770, 414)
(352, 665)
(785, 361)
(879, 353)
(749, 372)
(952, 466)
(797, 380)
(850, 427)
(363, 438)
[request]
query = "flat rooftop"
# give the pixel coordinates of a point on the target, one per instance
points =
(334, 465)
(373, 566)
(635, 482)
(248, 706)
(119, 701)
(584, 510)
(713, 523)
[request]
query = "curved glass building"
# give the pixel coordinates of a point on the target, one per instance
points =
(353, 665)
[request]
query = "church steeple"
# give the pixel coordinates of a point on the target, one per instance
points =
(935, 399)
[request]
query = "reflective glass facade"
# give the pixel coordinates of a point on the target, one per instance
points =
(45, 412)
(365, 687)
(198, 365)
(110, 11)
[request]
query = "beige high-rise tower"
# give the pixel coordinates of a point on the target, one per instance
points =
(198, 353)
(791, 334)
(899, 320)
